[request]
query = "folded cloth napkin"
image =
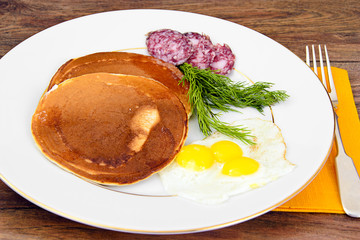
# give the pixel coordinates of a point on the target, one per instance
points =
(322, 194)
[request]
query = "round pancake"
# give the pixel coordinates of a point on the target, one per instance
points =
(112, 129)
(126, 63)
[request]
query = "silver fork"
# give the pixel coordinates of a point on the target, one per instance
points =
(348, 178)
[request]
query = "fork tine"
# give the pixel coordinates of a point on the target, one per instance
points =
(307, 55)
(323, 79)
(314, 60)
(331, 80)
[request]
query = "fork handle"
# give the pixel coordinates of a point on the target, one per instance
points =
(348, 178)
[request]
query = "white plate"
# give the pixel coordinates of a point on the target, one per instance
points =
(306, 121)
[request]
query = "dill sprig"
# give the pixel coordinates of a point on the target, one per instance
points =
(208, 90)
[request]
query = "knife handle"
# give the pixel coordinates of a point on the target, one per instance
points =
(348, 178)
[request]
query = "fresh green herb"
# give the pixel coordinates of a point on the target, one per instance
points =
(209, 90)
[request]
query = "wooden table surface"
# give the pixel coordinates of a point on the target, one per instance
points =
(293, 23)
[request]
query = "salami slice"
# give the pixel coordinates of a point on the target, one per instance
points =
(169, 45)
(224, 59)
(203, 53)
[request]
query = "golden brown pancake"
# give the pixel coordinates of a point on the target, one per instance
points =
(126, 63)
(112, 129)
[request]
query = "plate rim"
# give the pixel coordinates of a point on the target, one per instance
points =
(83, 221)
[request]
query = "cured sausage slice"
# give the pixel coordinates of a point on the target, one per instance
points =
(196, 49)
(203, 53)
(224, 59)
(169, 45)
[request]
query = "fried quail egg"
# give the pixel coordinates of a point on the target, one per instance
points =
(211, 170)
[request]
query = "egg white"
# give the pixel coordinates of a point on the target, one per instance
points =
(211, 186)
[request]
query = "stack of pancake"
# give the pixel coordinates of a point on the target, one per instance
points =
(113, 117)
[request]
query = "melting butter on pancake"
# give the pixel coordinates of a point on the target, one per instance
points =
(112, 129)
(125, 63)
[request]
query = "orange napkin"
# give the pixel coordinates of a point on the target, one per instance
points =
(322, 194)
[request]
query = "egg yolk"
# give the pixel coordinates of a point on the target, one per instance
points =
(240, 166)
(226, 150)
(195, 157)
